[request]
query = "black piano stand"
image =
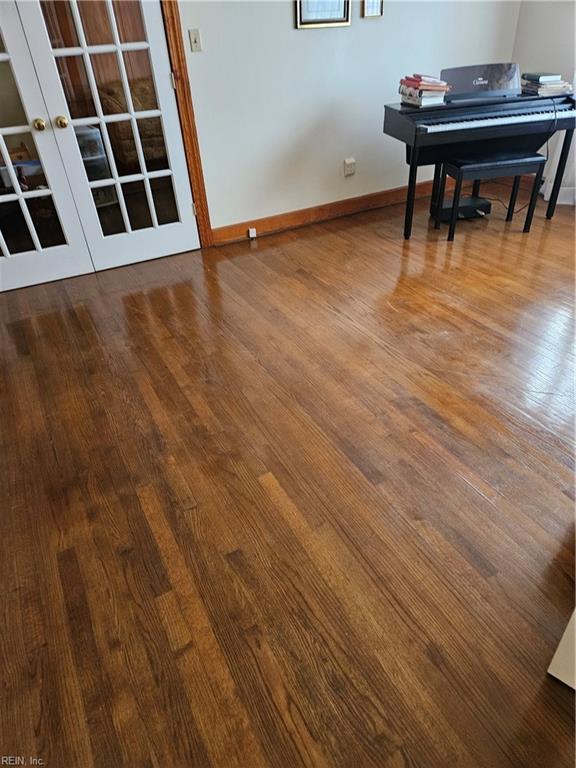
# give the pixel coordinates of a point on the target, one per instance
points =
(412, 193)
(559, 173)
(411, 196)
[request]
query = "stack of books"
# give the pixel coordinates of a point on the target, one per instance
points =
(544, 84)
(422, 90)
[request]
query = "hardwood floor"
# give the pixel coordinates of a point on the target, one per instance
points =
(300, 502)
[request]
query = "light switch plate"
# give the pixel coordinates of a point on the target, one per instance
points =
(195, 42)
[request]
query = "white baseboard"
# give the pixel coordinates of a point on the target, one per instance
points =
(566, 196)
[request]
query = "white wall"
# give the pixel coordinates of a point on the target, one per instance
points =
(279, 109)
(545, 37)
(545, 42)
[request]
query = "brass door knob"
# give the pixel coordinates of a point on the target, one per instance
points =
(39, 124)
(61, 121)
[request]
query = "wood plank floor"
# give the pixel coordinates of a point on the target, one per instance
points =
(300, 502)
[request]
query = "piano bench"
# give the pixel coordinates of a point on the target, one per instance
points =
(494, 167)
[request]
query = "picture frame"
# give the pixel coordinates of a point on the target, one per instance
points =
(313, 14)
(372, 9)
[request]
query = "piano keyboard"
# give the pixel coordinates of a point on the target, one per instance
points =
(532, 117)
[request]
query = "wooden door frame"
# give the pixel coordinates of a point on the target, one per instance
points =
(174, 38)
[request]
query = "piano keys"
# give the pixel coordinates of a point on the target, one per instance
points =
(496, 126)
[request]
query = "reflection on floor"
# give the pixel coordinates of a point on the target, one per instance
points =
(300, 502)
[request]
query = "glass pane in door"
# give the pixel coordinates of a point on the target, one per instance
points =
(124, 147)
(6, 187)
(46, 222)
(129, 21)
(95, 22)
(59, 23)
(137, 205)
(25, 161)
(14, 228)
(12, 112)
(140, 79)
(75, 83)
(164, 200)
(153, 144)
(109, 211)
(91, 145)
(109, 83)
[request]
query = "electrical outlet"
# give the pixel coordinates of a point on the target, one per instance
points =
(252, 233)
(349, 166)
(195, 42)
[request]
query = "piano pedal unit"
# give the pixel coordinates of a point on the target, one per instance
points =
(468, 208)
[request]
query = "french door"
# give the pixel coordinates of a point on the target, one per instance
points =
(40, 233)
(103, 72)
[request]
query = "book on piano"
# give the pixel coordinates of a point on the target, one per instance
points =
(412, 82)
(416, 101)
(428, 79)
(422, 90)
(552, 88)
(419, 98)
(541, 77)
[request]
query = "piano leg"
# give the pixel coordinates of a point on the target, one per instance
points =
(455, 207)
(440, 197)
(513, 196)
(411, 194)
(476, 188)
(559, 173)
(435, 187)
(533, 199)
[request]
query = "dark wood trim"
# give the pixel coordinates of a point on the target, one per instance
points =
(186, 109)
(234, 232)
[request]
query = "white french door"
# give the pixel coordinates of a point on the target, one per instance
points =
(40, 234)
(103, 70)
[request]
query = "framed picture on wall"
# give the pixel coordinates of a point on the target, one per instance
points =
(372, 8)
(322, 13)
